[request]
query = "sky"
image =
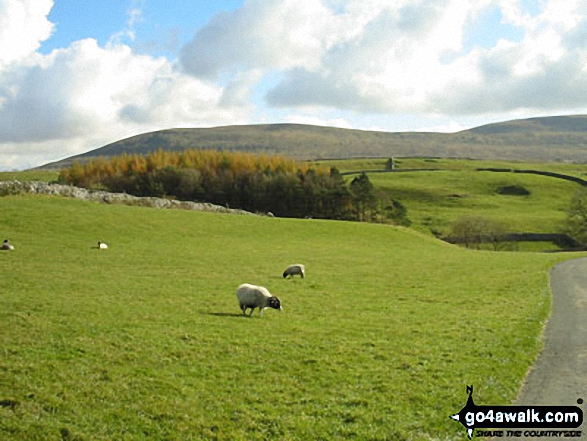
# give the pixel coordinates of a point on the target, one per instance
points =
(75, 76)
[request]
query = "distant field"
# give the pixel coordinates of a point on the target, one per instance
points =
(453, 188)
(30, 175)
(436, 199)
(402, 163)
(145, 340)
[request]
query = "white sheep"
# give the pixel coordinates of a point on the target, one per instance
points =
(253, 296)
(102, 245)
(292, 270)
(6, 245)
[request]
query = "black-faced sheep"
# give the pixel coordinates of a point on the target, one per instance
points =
(253, 296)
(102, 245)
(6, 245)
(292, 270)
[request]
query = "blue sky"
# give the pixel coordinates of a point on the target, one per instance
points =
(158, 24)
(75, 77)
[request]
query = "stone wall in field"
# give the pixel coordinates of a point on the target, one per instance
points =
(574, 179)
(44, 188)
(560, 239)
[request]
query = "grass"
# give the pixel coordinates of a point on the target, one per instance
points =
(406, 163)
(437, 199)
(454, 188)
(30, 175)
(146, 341)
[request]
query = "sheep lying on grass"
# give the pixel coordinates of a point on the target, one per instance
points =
(292, 270)
(102, 245)
(6, 245)
(253, 296)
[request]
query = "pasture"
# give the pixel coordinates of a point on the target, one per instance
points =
(440, 191)
(145, 340)
(30, 175)
(436, 199)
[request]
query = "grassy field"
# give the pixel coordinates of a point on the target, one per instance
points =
(145, 340)
(348, 165)
(437, 199)
(454, 188)
(30, 175)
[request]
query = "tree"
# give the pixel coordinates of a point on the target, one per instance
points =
(338, 197)
(576, 222)
(363, 194)
(189, 187)
(472, 231)
(397, 213)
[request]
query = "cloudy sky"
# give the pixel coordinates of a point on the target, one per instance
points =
(75, 76)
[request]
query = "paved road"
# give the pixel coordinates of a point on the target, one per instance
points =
(559, 376)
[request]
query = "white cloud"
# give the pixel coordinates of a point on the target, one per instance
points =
(23, 26)
(263, 34)
(87, 89)
(546, 70)
(81, 97)
(135, 15)
(403, 56)
(392, 65)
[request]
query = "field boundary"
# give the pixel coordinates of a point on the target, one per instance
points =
(8, 188)
(574, 179)
(537, 172)
(358, 172)
(563, 240)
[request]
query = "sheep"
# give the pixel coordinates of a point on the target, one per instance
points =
(253, 296)
(6, 245)
(292, 270)
(102, 245)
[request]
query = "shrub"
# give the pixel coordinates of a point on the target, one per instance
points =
(513, 190)
(576, 222)
(472, 231)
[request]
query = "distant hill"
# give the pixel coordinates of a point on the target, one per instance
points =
(549, 139)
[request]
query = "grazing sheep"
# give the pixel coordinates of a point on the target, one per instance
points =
(102, 245)
(253, 296)
(6, 245)
(292, 270)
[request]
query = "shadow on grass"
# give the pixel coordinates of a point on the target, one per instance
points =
(225, 314)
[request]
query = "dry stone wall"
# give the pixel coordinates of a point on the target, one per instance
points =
(44, 188)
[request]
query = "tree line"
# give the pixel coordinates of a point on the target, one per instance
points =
(257, 183)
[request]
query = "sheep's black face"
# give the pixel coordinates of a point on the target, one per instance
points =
(274, 303)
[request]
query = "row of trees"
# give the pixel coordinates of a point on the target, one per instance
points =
(239, 180)
(473, 231)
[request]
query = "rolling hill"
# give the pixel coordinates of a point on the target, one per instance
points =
(146, 341)
(549, 139)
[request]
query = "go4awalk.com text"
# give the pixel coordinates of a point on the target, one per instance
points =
(520, 421)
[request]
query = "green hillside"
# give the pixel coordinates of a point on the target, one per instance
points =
(145, 340)
(437, 192)
(554, 139)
